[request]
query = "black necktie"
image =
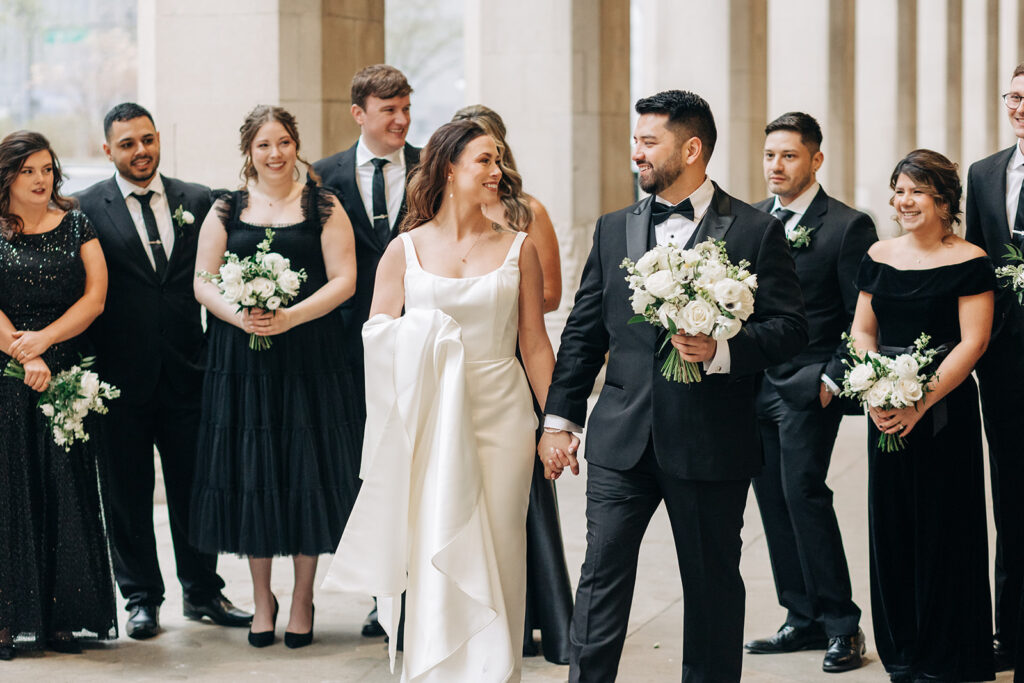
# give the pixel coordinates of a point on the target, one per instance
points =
(783, 215)
(660, 212)
(379, 201)
(1018, 222)
(156, 246)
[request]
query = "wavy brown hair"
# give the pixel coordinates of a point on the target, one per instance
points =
(939, 175)
(260, 115)
(510, 188)
(14, 150)
(426, 186)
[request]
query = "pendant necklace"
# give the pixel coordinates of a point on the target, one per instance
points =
(466, 255)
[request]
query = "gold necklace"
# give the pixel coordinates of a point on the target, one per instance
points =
(473, 246)
(918, 259)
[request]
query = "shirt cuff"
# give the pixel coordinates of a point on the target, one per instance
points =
(832, 386)
(555, 422)
(721, 363)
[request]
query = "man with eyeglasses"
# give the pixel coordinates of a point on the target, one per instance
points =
(995, 219)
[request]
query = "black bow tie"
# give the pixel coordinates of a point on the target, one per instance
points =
(660, 212)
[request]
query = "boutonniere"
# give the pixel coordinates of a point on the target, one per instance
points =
(800, 237)
(183, 217)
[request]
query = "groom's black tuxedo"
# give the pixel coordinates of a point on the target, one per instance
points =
(150, 343)
(812, 578)
(694, 446)
(1001, 383)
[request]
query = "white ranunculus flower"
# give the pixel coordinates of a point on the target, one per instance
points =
(861, 377)
(641, 300)
(699, 317)
(231, 273)
(690, 257)
(661, 284)
(878, 395)
(273, 303)
(710, 273)
(289, 282)
(911, 389)
(248, 297)
(750, 281)
(905, 367)
(275, 263)
(47, 409)
(668, 312)
(647, 263)
(232, 292)
(80, 406)
(187, 217)
(663, 257)
(726, 328)
(58, 436)
(728, 291)
(90, 384)
(263, 287)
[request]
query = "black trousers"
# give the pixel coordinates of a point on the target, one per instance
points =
(706, 518)
(812, 578)
(1001, 383)
(171, 422)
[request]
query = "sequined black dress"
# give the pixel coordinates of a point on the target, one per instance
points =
(930, 600)
(55, 572)
(278, 463)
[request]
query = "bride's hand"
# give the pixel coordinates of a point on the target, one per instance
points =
(896, 421)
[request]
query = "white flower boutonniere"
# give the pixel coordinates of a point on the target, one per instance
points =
(800, 237)
(183, 217)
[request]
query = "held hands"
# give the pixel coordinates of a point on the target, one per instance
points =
(898, 422)
(265, 323)
(557, 450)
(37, 374)
(29, 344)
(697, 348)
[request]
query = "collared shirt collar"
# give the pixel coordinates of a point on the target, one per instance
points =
(1017, 160)
(700, 198)
(364, 155)
(802, 202)
(127, 187)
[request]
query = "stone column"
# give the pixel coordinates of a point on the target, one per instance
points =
(886, 111)
(564, 95)
(203, 65)
(982, 109)
(940, 77)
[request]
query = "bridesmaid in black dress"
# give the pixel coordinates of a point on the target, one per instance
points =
(278, 458)
(930, 599)
(56, 582)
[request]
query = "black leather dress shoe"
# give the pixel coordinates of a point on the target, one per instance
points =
(1003, 656)
(844, 653)
(372, 627)
(789, 639)
(143, 622)
(65, 643)
(219, 610)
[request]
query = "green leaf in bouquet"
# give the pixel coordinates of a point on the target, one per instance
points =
(1013, 253)
(637, 319)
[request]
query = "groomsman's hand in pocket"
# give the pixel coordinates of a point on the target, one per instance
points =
(696, 348)
(557, 450)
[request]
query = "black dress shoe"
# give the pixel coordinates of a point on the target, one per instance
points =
(143, 622)
(7, 653)
(264, 638)
(844, 653)
(789, 639)
(219, 610)
(64, 643)
(297, 640)
(372, 627)
(1003, 656)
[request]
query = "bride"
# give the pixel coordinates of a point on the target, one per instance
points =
(448, 451)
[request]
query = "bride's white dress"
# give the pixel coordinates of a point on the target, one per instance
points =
(447, 461)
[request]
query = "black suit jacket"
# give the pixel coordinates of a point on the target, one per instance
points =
(151, 328)
(702, 431)
(338, 173)
(827, 269)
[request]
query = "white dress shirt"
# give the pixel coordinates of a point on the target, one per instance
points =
(394, 179)
(1014, 179)
(798, 206)
(161, 211)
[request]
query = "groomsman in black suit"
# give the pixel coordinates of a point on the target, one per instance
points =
(694, 446)
(369, 178)
(797, 407)
(995, 218)
(150, 343)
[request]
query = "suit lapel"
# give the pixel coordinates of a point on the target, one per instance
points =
(717, 220)
(175, 198)
(412, 159)
(352, 199)
(124, 226)
(638, 223)
(994, 181)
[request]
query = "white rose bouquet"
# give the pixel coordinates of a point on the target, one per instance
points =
(889, 383)
(693, 291)
(264, 280)
(1013, 276)
(72, 394)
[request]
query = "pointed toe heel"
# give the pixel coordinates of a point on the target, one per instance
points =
(297, 640)
(264, 638)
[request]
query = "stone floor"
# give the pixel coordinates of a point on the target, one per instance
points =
(188, 650)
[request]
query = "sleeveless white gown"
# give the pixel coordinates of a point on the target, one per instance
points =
(447, 462)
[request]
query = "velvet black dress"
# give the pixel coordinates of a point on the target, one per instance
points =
(930, 598)
(55, 572)
(278, 457)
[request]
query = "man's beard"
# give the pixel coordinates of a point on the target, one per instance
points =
(131, 173)
(662, 177)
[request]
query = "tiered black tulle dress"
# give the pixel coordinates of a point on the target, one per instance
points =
(930, 599)
(278, 460)
(55, 570)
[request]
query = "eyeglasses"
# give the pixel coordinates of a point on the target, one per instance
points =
(1012, 100)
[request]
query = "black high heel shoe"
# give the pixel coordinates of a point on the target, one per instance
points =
(264, 638)
(296, 640)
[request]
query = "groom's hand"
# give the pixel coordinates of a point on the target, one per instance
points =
(557, 450)
(696, 348)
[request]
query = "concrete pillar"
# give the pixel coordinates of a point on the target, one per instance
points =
(886, 111)
(299, 54)
(982, 109)
(811, 69)
(564, 96)
(940, 77)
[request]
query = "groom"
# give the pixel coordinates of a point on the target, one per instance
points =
(694, 446)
